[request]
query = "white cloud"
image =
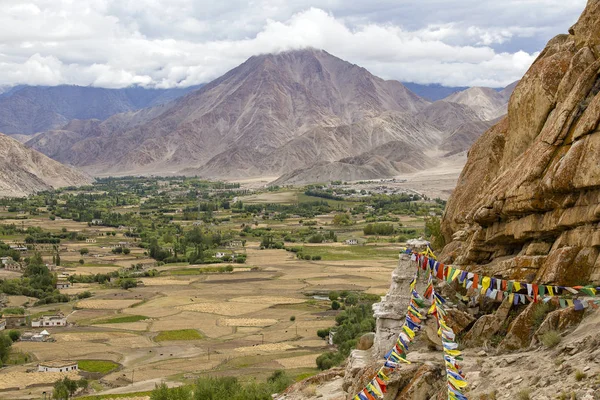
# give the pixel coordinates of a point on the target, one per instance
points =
(168, 43)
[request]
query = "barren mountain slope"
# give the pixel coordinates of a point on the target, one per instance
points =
(24, 171)
(384, 161)
(326, 144)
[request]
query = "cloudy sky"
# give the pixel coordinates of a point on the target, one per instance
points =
(170, 43)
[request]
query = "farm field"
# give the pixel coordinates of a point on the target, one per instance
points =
(148, 315)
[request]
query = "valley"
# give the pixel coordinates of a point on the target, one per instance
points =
(174, 278)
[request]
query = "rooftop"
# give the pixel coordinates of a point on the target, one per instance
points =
(57, 364)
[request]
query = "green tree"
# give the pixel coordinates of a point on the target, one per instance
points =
(433, 230)
(84, 251)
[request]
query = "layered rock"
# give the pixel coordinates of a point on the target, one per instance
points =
(527, 202)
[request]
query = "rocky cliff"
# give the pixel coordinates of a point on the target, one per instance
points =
(527, 202)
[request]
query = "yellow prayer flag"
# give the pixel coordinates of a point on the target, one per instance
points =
(517, 286)
(485, 283)
(550, 291)
(457, 384)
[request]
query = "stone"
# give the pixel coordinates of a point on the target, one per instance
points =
(366, 341)
(558, 320)
(458, 320)
(520, 331)
(488, 325)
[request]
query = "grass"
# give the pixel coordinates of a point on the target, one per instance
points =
(580, 375)
(524, 394)
(180, 334)
(199, 271)
(120, 319)
(100, 366)
(551, 339)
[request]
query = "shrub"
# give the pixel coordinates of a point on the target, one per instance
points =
(126, 251)
(580, 375)
(293, 318)
(524, 394)
(328, 360)
(551, 338)
(316, 258)
(14, 335)
(335, 305)
(333, 295)
(323, 333)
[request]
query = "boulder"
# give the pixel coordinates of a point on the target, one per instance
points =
(488, 325)
(558, 320)
(366, 341)
(522, 328)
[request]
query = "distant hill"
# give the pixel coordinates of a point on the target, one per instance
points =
(433, 91)
(24, 171)
(30, 109)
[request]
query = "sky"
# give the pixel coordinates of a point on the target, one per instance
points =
(178, 43)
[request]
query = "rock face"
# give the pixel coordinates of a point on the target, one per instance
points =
(24, 171)
(526, 204)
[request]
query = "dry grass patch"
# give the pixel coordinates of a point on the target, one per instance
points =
(26, 379)
(308, 361)
(270, 300)
(246, 322)
(165, 282)
(225, 308)
(265, 348)
(99, 304)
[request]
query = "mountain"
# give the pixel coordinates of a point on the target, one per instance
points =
(275, 114)
(486, 102)
(30, 109)
(389, 159)
(240, 118)
(434, 91)
(526, 204)
(24, 171)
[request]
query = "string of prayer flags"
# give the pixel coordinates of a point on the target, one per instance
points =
(377, 387)
(496, 288)
(455, 379)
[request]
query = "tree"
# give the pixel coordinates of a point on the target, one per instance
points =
(335, 305)
(5, 344)
(84, 251)
(333, 295)
(126, 250)
(433, 230)
(14, 335)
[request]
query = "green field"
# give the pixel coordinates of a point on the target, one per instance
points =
(181, 334)
(120, 319)
(101, 366)
(338, 253)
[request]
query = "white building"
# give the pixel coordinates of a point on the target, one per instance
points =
(90, 240)
(96, 222)
(351, 241)
(63, 284)
(220, 255)
(58, 366)
(2, 324)
(49, 320)
(5, 260)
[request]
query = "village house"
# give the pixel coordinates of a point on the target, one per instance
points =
(13, 266)
(6, 260)
(220, 255)
(90, 240)
(49, 320)
(235, 243)
(35, 337)
(58, 366)
(351, 241)
(96, 222)
(63, 284)
(2, 324)
(14, 321)
(18, 247)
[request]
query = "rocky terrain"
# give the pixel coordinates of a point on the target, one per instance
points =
(526, 208)
(25, 110)
(276, 114)
(24, 171)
